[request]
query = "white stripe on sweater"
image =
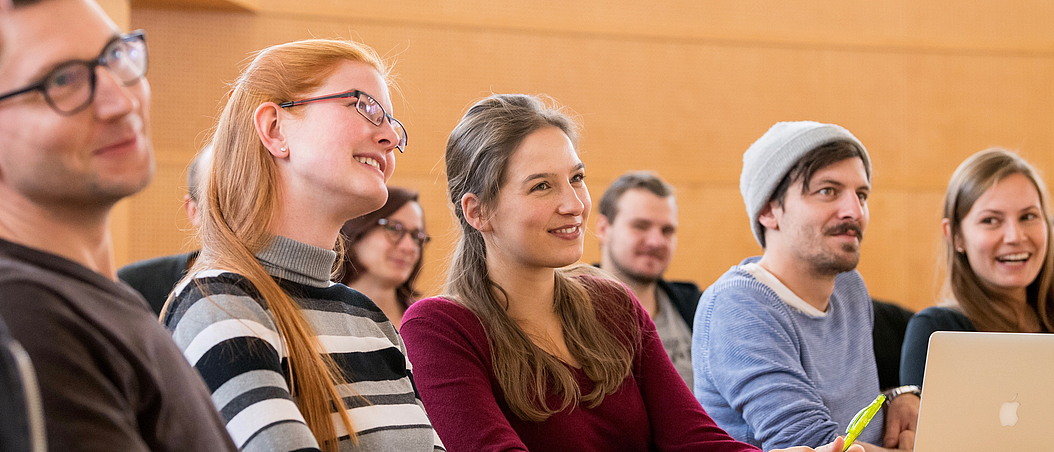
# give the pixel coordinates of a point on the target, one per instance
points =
(258, 415)
(348, 344)
(225, 330)
(377, 416)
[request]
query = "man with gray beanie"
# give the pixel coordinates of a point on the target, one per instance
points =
(782, 347)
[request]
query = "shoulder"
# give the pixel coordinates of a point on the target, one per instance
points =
(444, 305)
(892, 311)
(147, 268)
(439, 311)
(851, 282)
(36, 312)
(612, 301)
(19, 278)
(16, 274)
(336, 298)
(214, 299)
(599, 285)
(438, 326)
(737, 287)
(939, 317)
(739, 308)
(681, 290)
(61, 290)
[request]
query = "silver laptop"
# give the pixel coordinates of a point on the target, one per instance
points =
(987, 392)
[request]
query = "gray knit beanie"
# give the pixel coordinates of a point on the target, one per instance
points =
(769, 159)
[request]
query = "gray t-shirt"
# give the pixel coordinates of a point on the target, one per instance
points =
(675, 335)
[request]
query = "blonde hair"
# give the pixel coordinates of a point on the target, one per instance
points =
(986, 309)
(604, 341)
(241, 196)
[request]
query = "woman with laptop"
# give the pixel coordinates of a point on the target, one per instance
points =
(1000, 274)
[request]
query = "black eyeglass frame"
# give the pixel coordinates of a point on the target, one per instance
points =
(401, 146)
(101, 60)
(421, 238)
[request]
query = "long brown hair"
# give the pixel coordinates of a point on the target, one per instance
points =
(603, 341)
(356, 228)
(987, 309)
(241, 196)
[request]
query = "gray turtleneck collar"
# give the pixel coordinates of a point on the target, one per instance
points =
(299, 262)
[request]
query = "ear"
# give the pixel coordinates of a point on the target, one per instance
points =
(474, 212)
(191, 207)
(267, 119)
(770, 215)
(602, 228)
(946, 231)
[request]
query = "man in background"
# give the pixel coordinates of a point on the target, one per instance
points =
(155, 278)
(75, 128)
(637, 230)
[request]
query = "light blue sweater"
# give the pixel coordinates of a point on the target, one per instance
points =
(775, 377)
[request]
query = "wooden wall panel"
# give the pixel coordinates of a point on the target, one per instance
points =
(161, 225)
(926, 24)
(902, 245)
(682, 88)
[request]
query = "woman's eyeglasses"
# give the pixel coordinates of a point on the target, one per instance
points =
(367, 106)
(70, 87)
(395, 231)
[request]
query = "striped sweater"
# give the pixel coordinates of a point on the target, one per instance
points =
(231, 338)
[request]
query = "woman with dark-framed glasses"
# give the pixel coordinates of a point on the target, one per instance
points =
(293, 360)
(383, 253)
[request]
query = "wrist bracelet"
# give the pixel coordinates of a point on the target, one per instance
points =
(900, 390)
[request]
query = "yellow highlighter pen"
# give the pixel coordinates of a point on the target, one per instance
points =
(860, 421)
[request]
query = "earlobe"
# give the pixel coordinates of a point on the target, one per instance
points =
(473, 212)
(267, 120)
(767, 217)
(946, 231)
(191, 207)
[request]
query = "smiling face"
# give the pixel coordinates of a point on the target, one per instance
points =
(639, 243)
(1005, 236)
(542, 207)
(390, 264)
(92, 158)
(338, 159)
(822, 228)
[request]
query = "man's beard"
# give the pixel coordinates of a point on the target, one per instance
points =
(833, 263)
(634, 276)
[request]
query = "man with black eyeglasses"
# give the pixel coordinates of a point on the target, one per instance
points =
(74, 128)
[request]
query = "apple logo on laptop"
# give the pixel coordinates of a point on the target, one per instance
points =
(1008, 412)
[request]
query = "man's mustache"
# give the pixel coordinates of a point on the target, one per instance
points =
(654, 252)
(845, 228)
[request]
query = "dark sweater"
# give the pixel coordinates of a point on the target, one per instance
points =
(891, 322)
(110, 376)
(155, 278)
(917, 339)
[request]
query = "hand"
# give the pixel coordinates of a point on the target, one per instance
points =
(836, 446)
(902, 418)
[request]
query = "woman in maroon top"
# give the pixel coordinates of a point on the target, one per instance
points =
(520, 354)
